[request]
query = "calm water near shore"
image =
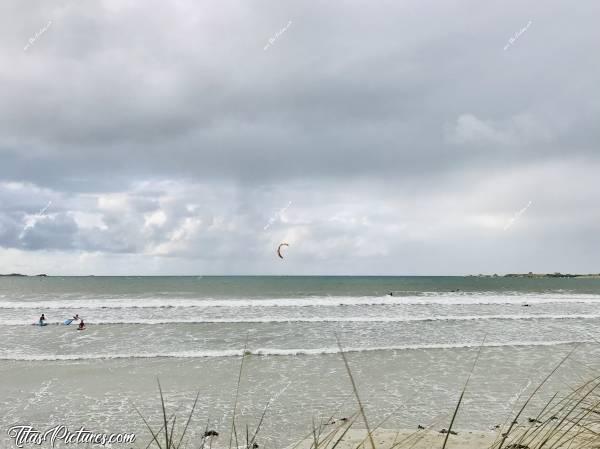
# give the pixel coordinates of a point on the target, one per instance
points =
(410, 352)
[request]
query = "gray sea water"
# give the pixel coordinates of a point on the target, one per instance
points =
(410, 353)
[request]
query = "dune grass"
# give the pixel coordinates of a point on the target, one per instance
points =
(568, 420)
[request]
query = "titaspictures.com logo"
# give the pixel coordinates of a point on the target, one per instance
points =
(27, 435)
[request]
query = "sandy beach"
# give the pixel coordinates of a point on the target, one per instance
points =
(459, 439)
(415, 439)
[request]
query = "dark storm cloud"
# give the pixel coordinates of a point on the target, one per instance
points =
(165, 129)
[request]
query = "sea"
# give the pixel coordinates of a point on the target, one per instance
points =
(269, 350)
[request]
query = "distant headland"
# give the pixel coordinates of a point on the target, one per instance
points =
(22, 275)
(537, 275)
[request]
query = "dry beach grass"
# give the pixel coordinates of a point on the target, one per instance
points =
(568, 420)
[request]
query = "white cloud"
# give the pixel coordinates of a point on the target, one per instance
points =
(157, 218)
(520, 129)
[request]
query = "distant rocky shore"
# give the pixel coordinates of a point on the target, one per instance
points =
(537, 275)
(22, 275)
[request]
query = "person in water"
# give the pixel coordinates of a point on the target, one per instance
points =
(76, 317)
(81, 325)
(42, 319)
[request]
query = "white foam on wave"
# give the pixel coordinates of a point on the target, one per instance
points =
(277, 351)
(317, 301)
(351, 319)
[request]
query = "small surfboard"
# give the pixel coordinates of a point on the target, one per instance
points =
(81, 328)
(67, 322)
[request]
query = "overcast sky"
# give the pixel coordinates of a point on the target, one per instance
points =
(375, 137)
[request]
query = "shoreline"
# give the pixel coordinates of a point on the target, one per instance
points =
(480, 275)
(388, 438)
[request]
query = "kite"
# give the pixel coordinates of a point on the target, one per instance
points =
(279, 249)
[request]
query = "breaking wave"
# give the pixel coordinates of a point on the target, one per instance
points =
(275, 351)
(361, 319)
(318, 301)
